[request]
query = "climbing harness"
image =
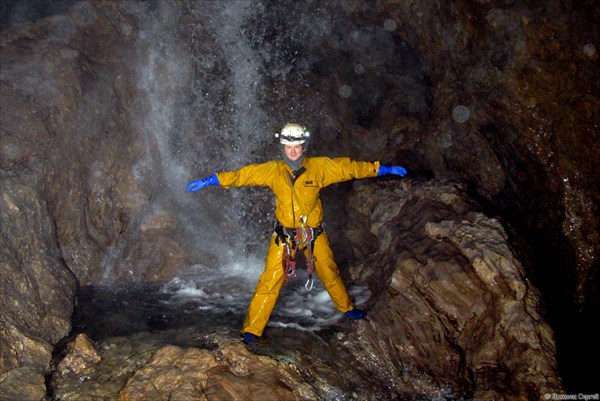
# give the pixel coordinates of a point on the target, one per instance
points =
(294, 239)
(302, 237)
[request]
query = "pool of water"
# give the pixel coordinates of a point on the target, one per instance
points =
(206, 302)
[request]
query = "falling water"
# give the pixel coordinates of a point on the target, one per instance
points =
(202, 100)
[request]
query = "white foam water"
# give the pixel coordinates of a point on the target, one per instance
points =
(231, 293)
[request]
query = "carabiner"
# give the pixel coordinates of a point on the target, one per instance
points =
(309, 281)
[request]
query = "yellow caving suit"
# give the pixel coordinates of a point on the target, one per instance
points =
(292, 201)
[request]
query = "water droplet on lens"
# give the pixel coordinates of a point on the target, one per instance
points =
(461, 113)
(359, 69)
(389, 25)
(589, 50)
(345, 91)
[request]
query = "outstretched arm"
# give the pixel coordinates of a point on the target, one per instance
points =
(395, 170)
(251, 175)
(344, 169)
(193, 186)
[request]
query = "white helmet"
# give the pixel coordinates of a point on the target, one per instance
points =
(293, 134)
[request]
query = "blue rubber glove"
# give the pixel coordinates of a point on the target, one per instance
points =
(205, 182)
(396, 170)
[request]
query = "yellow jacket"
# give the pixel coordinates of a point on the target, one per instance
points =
(301, 198)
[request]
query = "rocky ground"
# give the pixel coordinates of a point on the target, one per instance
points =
(446, 288)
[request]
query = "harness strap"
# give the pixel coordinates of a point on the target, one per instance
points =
(292, 239)
(285, 233)
(292, 180)
(305, 236)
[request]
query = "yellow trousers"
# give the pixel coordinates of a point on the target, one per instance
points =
(271, 280)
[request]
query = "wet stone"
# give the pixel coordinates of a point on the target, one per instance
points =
(23, 384)
(208, 359)
(81, 357)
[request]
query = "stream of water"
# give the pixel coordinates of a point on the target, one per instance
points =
(205, 300)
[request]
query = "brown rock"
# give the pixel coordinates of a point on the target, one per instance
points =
(458, 305)
(81, 357)
(37, 288)
(232, 373)
(22, 384)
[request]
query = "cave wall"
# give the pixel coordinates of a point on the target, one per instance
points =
(524, 77)
(37, 290)
(68, 188)
(64, 92)
(450, 297)
(71, 104)
(527, 73)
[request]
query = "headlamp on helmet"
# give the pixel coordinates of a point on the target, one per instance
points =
(293, 134)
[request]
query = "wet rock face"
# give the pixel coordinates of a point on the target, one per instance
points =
(81, 357)
(57, 82)
(451, 298)
(68, 190)
(38, 292)
(516, 114)
(287, 364)
(233, 373)
(71, 105)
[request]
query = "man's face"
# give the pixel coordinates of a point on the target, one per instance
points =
(293, 152)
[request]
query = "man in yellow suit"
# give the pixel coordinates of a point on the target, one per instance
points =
(296, 182)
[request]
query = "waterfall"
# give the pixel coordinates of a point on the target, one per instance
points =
(196, 123)
(201, 89)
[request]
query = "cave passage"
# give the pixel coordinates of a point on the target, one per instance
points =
(485, 252)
